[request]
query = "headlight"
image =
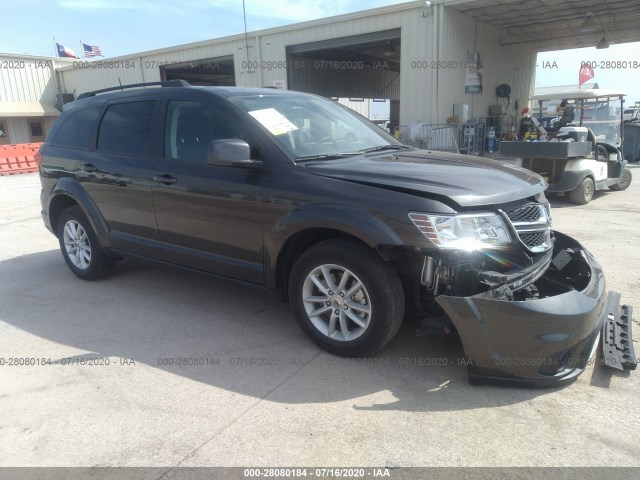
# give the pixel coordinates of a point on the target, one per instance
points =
(463, 231)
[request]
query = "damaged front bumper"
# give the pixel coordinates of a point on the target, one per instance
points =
(542, 342)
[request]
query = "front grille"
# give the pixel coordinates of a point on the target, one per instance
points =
(526, 214)
(532, 223)
(533, 239)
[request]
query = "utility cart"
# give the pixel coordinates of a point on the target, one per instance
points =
(581, 152)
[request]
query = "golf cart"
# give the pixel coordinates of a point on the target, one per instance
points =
(581, 150)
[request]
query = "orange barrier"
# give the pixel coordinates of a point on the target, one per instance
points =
(23, 158)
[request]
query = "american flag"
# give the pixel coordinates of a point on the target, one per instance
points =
(91, 51)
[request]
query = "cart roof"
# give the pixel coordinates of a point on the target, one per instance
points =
(575, 93)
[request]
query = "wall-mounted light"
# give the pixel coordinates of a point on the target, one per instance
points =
(427, 9)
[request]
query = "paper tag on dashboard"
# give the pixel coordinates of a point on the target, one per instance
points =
(273, 121)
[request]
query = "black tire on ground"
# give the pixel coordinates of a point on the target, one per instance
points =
(98, 263)
(583, 193)
(624, 183)
(382, 288)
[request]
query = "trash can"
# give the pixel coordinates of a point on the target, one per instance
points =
(631, 145)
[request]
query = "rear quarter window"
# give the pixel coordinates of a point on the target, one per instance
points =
(76, 128)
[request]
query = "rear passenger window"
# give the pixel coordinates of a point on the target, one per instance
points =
(76, 128)
(126, 128)
(191, 126)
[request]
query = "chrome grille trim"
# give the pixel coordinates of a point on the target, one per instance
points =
(532, 224)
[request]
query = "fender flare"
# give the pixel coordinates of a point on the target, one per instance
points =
(570, 180)
(72, 188)
(357, 223)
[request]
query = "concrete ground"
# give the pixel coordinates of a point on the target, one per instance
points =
(135, 406)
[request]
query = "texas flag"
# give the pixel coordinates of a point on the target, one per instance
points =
(65, 51)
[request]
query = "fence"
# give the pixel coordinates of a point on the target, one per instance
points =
(19, 158)
(444, 137)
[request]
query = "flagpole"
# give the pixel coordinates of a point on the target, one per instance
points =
(55, 45)
(81, 48)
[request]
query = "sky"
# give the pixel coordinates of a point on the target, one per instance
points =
(122, 27)
(562, 68)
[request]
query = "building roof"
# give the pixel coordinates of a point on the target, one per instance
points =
(579, 94)
(26, 56)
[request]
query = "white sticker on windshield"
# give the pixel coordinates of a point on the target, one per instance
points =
(273, 121)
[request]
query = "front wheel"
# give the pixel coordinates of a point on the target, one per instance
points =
(583, 193)
(79, 245)
(624, 182)
(345, 298)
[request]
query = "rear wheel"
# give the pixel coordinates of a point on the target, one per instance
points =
(583, 193)
(345, 298)
(79, 245)
(624, 183)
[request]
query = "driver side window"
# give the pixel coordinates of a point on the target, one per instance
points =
(190, 127)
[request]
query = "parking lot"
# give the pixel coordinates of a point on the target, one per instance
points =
(156, 366)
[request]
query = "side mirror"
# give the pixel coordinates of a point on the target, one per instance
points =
(231, 152)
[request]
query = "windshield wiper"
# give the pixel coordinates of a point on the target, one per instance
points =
(332, 156)
(380, 148)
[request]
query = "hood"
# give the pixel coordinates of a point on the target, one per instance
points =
(466, 180)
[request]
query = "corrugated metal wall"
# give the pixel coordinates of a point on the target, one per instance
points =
(426, 94)
(28, 79)
(351, 83)
(18, 130)
(514, 65)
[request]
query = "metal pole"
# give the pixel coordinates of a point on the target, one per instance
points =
(246, 37)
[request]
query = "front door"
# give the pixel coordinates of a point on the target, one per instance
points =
(208, 216)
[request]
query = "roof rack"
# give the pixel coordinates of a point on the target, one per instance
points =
(170, 83)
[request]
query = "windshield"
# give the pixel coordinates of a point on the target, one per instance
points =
(309, 127)
(601, 117)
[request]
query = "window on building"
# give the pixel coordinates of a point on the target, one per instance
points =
(126, 129)
(76, 128)
(36, 130)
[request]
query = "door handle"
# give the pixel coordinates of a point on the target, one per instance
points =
(87, 167)
(164, 179)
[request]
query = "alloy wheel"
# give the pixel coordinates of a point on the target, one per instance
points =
(336, 302)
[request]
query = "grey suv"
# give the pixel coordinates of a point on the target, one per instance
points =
(296, 193)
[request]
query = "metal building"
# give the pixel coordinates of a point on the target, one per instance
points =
(28, 97)
(423, 57)
(413, 55)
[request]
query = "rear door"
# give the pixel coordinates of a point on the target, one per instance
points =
(117, 174)
(208, 216)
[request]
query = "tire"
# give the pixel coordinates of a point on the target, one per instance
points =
(377, 305)
(624, 183)
(76, 235)
(583, 193)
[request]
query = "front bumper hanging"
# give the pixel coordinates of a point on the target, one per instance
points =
(548, 341)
